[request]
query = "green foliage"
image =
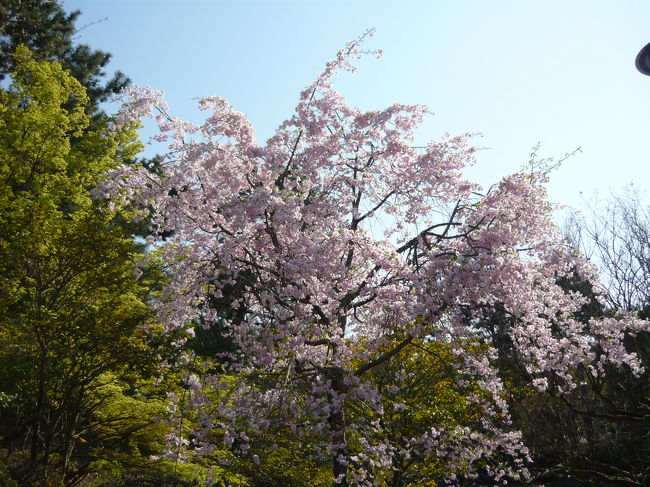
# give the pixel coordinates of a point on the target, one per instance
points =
(422, 388)
(71, 309)
(287, 465)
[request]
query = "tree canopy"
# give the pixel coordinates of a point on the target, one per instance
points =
(71, 308)
(353, 245)
(334, 306)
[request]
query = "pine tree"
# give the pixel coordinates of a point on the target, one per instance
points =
(49, 31)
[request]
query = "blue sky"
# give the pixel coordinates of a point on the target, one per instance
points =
(518, 72)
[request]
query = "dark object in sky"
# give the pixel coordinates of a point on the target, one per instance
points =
(643, 60)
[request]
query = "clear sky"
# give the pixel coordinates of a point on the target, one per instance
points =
(518, 72)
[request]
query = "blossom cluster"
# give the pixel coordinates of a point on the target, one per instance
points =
(350, 243)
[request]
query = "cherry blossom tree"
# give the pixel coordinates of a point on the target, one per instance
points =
(352, 245)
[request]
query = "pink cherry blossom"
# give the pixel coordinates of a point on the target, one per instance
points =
(351, 243)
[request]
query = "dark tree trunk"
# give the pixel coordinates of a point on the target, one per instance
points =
(337, 427)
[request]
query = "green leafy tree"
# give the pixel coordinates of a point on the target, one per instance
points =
(71, 308)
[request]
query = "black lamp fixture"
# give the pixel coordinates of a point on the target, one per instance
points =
(643, 60)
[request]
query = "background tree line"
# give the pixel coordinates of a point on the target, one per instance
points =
(92, 387)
